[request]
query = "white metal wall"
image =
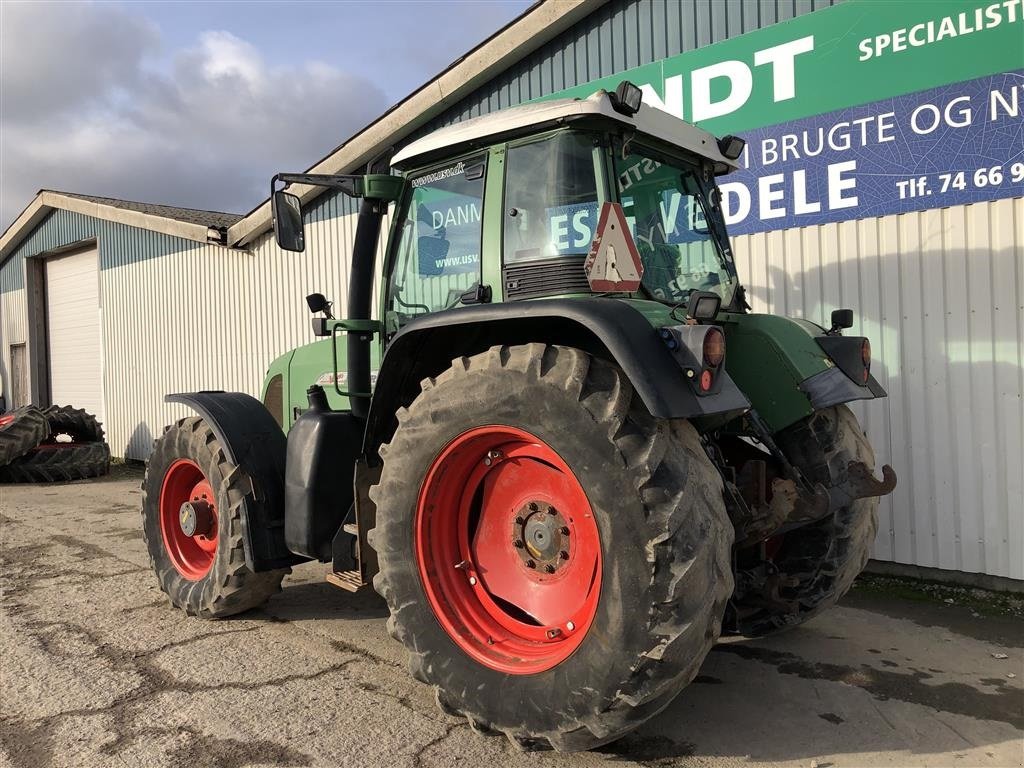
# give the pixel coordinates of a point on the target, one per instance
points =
(13, 329)
(941, 296)
(209, 318)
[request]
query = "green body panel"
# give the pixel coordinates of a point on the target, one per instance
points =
(314, 364)
(768, 356)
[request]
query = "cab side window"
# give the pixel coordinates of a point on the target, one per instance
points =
(550, 198)
(438, 253)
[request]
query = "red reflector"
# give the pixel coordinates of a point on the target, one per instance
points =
(705, 381)
(714, 348)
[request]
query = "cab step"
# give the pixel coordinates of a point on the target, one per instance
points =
(347, 580)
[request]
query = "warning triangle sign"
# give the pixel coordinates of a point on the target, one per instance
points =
(613, 263)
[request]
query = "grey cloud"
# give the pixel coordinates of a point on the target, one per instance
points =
(209, 132)
(55, 58)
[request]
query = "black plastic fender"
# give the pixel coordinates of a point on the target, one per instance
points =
(252, 440)
(605, 326)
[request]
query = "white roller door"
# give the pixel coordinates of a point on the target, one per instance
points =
(74, 331)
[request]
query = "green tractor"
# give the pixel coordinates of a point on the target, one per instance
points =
(535, 446)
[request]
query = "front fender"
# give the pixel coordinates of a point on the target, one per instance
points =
(252, 440)
(606, 327)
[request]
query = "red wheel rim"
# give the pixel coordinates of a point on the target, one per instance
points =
(508, 550)
(192, 556)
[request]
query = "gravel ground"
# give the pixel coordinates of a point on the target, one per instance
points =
(97, 670)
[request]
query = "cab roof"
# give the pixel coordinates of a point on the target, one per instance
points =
(479, 131)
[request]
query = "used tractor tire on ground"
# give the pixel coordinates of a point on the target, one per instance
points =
(820, 560)
(21, 430)
(204, 574)
(58, 462)
(76, 423)
(634, 505)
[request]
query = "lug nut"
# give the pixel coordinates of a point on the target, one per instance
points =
(533, 506)
(552, 511)
(520, 520)
(564, 530)
(549, 568)
(530, 564)
(564, 555)
(518, 544)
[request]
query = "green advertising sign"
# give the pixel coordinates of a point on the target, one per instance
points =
(857, 52)
(864, 109)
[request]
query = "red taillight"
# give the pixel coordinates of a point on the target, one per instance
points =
(706, 380)
(865, 358)
(714, 348)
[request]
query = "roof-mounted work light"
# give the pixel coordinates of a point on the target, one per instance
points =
(731, 146)
(626, 99)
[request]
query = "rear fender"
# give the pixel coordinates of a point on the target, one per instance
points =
(253, 440)
(607, 328)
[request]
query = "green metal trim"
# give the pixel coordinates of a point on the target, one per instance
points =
(355, 326)
(493, 235)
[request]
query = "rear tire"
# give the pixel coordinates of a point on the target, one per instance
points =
(21, 430)
(823, 558)
(76, 423)
(209, 582)
(664, 541)
(58, 462)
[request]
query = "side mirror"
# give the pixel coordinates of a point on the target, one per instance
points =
(317, 302)
(841, 318)
(287, 213)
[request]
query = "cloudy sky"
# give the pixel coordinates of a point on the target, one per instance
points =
(199, 103)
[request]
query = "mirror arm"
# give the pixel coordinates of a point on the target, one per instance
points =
(350, 185)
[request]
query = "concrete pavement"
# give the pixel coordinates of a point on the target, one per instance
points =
(97, 670)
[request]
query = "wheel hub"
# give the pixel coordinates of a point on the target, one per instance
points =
(196, 517)
(541, 536)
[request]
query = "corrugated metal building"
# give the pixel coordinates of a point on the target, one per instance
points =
(185, 302)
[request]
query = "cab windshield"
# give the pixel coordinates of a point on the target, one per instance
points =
(669, 216)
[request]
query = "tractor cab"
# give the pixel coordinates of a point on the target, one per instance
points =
(536, 189)
(510, 206)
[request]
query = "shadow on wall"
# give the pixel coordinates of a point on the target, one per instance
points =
(945, 329)
(140, 443)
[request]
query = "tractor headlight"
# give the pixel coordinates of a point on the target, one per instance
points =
(627, 98)
(731, 146)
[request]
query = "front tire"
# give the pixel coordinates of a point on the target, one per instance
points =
(204, 572)
(816, 564)
(551, 420)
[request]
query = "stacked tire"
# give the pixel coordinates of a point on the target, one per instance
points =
(54, 444)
